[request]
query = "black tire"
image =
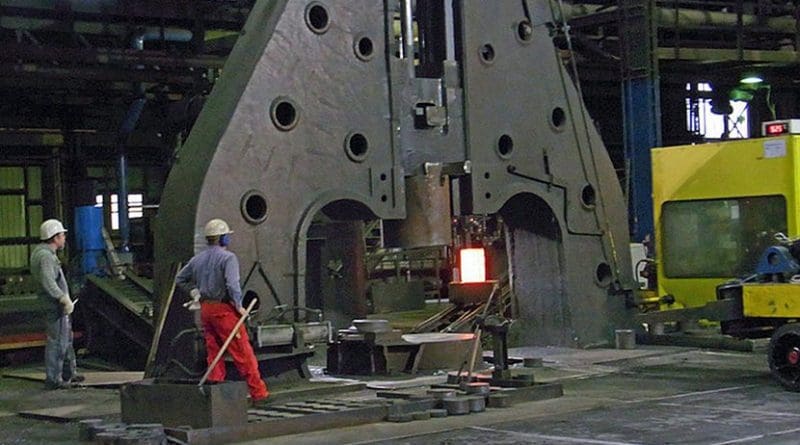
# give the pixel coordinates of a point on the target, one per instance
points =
(784, 343)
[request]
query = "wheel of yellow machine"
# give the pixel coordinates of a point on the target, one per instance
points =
(783, 356)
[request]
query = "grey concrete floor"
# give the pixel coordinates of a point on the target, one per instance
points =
(647, 396)
(651, 395)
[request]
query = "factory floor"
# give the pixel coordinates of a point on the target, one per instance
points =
(648, 395)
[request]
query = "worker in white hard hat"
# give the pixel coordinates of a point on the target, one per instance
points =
(212, 280)
(59, 355)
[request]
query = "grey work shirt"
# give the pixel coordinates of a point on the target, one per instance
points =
(215, 272)
(46, 270)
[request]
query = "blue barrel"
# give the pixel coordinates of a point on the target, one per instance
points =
(88, 231)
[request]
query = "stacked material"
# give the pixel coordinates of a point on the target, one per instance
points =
(107, 433)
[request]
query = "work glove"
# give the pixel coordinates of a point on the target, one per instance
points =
(69, 306)
(194, 303)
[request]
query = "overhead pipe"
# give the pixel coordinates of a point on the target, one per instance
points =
(132, 117)
(685, 18)
(128, 124)
(151, 33)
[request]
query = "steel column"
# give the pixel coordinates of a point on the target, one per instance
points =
(641, 108)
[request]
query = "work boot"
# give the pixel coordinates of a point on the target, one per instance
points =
(77, 378)
(261, 401)
(57, 385)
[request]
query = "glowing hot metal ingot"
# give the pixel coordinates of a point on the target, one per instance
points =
(473, 287)
(473, 265)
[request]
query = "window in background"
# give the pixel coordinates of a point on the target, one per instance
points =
(701, 121)
(135, 201)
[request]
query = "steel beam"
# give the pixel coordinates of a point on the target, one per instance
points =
(716, 55)
(214, 14)
(641, 109)
(19, 53)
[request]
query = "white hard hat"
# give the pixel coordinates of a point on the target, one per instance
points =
(217, 227)
(50, 228)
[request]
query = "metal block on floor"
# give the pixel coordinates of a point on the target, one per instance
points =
(456, 406)
(190, 436)
(497, 400)
(539, 391)
(298, 410)
(277, 420)
(438, 413)
(421, 415)
(394, 395)
(400, 418)
(410, 406)
(173, 403)
(88, 428)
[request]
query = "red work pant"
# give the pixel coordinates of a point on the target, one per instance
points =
(218, 321)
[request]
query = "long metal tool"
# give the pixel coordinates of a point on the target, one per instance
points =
(228, 341)
(162, 318)
(477, 340)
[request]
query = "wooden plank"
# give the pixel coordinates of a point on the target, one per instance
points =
(70, 413)
(22, 341)
(93, 379)
(22, 345)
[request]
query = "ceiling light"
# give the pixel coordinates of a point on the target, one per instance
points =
(751, 79)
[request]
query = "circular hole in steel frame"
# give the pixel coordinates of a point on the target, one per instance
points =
(356, 146)
(249, 296)
(524, 31)
(505, 146)
(284, 113)
(558, 118)
(317, 17)
(254, 207)
(588, 196)
(603, 275)
(364, 48)
(486, 53)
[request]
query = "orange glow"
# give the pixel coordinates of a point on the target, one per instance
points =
(473, 265)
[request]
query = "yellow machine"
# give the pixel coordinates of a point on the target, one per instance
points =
(717, 209)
